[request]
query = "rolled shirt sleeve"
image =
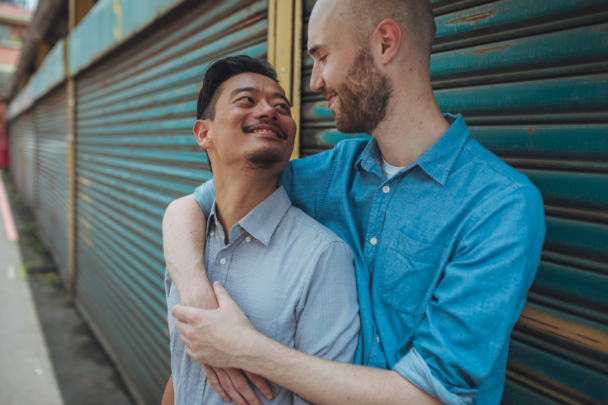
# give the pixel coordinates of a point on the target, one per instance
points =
(465, 332)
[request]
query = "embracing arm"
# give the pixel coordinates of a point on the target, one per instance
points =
(223, 337)
(184, 227)
(330, 382)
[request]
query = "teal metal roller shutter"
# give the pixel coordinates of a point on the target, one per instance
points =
(531, 79)
(14, 147)
(135, 154)
(29, 156)
(51, 119)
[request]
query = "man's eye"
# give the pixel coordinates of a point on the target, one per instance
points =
(322, 59)
(247, 99)
(283, 106)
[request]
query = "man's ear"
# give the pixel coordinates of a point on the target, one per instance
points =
(387, 39)
(202, 133)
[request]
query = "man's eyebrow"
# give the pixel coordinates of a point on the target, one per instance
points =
(253, 89)
(313, 49)
(243, 89)
(281, 95)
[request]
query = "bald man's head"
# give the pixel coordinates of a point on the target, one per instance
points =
(415, 17)
(360, 61)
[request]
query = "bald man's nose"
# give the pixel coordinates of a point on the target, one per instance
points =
(316, 79)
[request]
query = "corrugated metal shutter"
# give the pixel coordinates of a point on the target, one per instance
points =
(26, 165)
(29, 159)
(51, 207)
(14, 147)
(135, 154)
(530, 78)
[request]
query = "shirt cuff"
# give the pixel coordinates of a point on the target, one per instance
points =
(413, 367)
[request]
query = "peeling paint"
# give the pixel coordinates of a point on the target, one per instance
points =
(486, 50)
(472, 18)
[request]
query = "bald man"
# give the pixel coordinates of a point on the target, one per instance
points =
(446, 237)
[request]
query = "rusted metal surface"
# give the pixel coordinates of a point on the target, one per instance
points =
(531, 79)
(135, 153)
(51, 121)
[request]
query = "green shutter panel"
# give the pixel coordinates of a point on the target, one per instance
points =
(135, 154)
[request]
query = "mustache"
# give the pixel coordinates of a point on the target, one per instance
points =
(282, 134)
(328, 92)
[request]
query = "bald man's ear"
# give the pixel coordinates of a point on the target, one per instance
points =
(387, 37)
(202, 133)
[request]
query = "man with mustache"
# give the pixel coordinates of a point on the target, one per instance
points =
(446, 236)
(255, 239)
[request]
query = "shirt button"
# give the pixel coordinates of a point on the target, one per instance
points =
(373, 241)
(386, 189)
(212, 233)
(223, 261)
(377, 338)
(248, 239)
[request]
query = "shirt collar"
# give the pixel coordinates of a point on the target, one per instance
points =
(262, 221)
(437, 161)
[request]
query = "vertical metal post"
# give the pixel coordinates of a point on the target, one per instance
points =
(284, 52)
(296, 94)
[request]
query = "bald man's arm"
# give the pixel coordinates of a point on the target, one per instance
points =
(184, 226)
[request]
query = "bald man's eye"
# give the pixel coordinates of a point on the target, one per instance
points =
(322, 59)
(283, 106)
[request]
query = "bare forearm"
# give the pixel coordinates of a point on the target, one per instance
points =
(184, 225)
(325, 382)
(169, 395)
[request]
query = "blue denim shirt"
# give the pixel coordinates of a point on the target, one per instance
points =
(445, 252)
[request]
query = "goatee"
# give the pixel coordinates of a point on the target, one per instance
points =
(263, 159)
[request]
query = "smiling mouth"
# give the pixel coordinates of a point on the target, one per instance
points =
(276, 130)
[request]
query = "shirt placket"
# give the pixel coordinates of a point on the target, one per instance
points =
(223, 258)
(377, 217)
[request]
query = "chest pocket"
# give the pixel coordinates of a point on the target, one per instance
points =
(408, 272)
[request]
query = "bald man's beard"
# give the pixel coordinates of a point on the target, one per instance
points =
(363, 97)
(263, 158)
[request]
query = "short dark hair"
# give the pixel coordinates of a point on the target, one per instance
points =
(219, 72)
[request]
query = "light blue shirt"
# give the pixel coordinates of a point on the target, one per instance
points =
(445, 252)
(291, 276)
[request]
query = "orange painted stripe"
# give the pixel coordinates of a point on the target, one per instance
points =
(7, 215)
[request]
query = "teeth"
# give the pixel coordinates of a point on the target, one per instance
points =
(263, 130)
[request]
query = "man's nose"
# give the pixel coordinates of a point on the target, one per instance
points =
(316, 79)
(267, 111)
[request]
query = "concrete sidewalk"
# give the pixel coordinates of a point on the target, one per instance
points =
(26, 373)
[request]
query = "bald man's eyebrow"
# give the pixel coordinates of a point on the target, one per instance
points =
(313, 49)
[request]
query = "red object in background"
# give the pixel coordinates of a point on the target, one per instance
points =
(3, 149)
